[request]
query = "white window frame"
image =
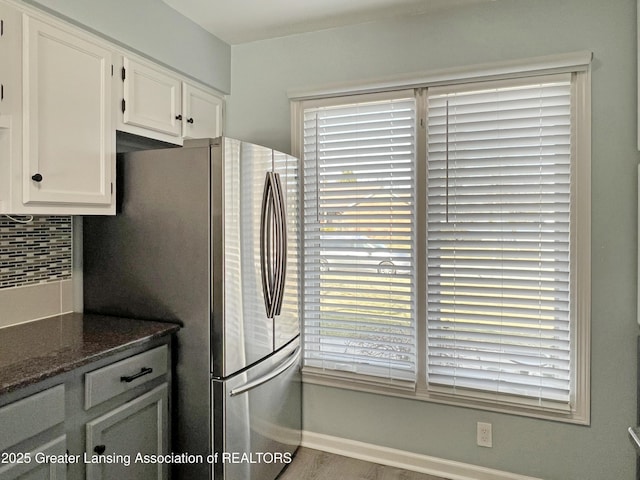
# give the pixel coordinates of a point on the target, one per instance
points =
(579, 65)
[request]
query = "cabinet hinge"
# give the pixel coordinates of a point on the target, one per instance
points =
(112, 70)
(111, 188)
(124, 73)
(123, 105)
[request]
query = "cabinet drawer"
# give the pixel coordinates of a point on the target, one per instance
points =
(28, 417)
(112, 380)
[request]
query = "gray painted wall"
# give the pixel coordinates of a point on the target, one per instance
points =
(258, 111)
(155, 30)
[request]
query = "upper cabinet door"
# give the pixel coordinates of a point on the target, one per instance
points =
(68, 135)
(10, 55)
(202, 113)
(151, 99)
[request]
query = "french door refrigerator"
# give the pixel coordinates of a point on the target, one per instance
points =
(207, 235)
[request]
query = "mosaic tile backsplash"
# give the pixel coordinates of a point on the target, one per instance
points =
(36, 252)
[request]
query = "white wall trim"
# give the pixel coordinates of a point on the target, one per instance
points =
(549, 64)
(406, 460)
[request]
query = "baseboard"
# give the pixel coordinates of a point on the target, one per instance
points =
(406, 460)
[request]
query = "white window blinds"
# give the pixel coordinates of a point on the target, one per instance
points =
(359, 211)
(498, 242)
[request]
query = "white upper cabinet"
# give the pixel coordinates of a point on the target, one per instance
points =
(63, 94)
(10, 78)
(151, 99)
(157, 103)
(202, 113)
(68, 137)
(10, 100)
(57, 137)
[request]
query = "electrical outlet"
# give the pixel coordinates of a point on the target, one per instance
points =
(484, 436)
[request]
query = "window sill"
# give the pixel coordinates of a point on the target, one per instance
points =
(576, 417)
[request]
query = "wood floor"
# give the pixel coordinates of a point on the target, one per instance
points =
(311, 464)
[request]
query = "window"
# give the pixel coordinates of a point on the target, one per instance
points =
(446, 243)
(498, 242)
(359, 209)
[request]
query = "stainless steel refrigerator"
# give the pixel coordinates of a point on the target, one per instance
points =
(207, 235)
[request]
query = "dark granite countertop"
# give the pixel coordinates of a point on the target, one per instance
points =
(34, 351)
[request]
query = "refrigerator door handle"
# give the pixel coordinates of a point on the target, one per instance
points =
(266, 244)
(284, 366)
(281, 218)
(273, 244)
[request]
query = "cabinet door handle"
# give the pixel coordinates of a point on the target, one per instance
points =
(141, 373)
(36, 178)
(178, 117)
(189, 120)
(100, 449)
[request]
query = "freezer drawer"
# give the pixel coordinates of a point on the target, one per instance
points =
(257, 418)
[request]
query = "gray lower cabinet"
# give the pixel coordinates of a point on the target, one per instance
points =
(108, 420)
(36, 464)
(126, 442)
(32, 439)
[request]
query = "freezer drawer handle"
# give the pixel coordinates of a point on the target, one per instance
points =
(141, 373)
(634, 433)
(293, 359)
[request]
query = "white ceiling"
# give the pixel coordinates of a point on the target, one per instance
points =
(241, 21)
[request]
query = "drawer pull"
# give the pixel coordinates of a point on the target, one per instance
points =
(141, 373)
(100, 449)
